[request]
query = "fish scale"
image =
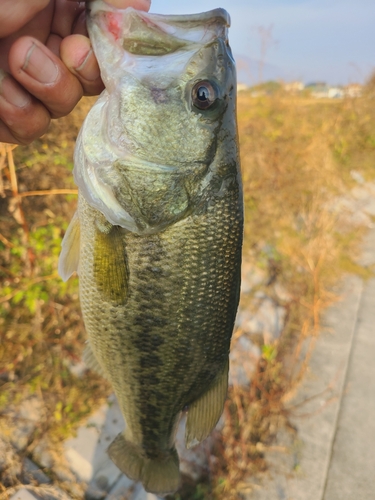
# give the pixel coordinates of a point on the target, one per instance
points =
(201, 288)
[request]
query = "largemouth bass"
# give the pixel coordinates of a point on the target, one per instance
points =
(157, 235)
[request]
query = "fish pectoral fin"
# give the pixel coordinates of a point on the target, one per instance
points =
(204, 413)
(110, 262)
(159, 475)
(69, 256)
(91, 362)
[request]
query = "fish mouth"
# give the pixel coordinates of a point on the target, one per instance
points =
(145, 34)
(189, 21)
(136, 42)
(123, 168)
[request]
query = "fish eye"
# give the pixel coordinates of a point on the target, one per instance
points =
(204, 94)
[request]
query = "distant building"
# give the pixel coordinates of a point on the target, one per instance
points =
(321, 90)
(335, 92)
(353, 90)
(294, 87)
(314, 85)
(258, 93)
(241, 87)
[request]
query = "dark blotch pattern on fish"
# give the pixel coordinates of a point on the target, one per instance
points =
(198, 297)
(183, 288)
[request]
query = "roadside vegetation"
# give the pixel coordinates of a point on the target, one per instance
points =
(297, 156)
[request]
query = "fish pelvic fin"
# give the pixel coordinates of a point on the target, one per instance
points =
(69, 256)
(204, 413)
(160, 475)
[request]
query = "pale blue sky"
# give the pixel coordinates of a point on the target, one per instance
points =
(325, 40)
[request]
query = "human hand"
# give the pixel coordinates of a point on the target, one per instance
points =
(46, 63)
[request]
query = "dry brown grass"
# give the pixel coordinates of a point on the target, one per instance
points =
(297, 154)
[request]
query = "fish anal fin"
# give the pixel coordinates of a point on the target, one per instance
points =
(91, 362)
(160, 475)
(70, 246)
(204, 413)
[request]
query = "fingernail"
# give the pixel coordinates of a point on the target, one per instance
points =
(12, 92)
(89, 68)
(39, 66)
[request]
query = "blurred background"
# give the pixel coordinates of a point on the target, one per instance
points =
(306, 40)
(306, 116)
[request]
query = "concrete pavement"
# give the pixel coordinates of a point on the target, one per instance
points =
(351, 473)
(332, 455)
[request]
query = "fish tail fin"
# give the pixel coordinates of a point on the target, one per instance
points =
(127, 457)
(160, 475)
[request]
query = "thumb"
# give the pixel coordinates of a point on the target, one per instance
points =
(14, 15)
(78, 56)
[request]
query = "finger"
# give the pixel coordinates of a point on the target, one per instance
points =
(45, 76)
(38, 27)
(53, 44)
(77, 55)
(22, 118)
(14, 15)
(136, 4)
(65, 17)
(80, 27)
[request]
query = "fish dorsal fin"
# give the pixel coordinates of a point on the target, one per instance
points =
(69, 256)
(204, 413)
